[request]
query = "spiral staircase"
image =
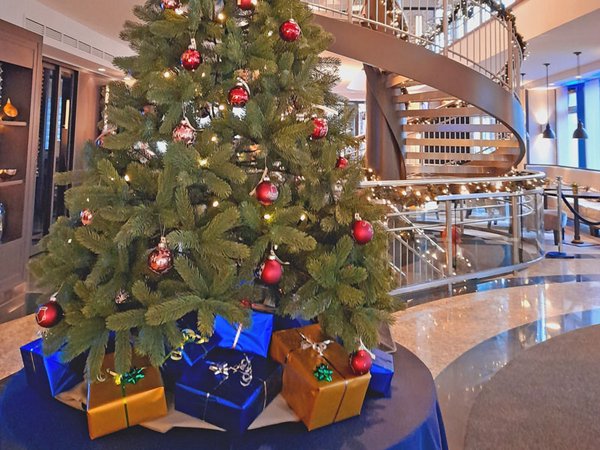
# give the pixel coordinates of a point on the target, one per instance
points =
(443, 78)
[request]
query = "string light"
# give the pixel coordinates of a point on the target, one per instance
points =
(167, 74)
(127, 178)
(203, 162)
(215, 203)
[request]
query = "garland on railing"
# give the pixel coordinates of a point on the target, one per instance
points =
(417, 197)
(464, 9)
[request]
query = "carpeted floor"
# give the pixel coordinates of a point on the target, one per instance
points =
(548, 398)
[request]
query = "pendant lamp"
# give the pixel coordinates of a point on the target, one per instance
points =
(548, 131)
(580, 132)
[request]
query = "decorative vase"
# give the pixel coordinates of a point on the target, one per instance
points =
(10, 110)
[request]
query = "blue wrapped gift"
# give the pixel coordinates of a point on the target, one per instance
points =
(229, 389)
(49, 375)
(191, 353)
(382, 372)
(255, 339)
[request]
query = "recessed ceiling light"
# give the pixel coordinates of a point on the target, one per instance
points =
(101, 69)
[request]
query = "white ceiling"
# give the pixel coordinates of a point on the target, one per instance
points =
(104, 16)
(557, 46)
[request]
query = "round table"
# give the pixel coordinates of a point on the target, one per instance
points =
(409, 420)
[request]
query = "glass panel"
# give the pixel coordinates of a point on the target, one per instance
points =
(45, 166)
(55, 148)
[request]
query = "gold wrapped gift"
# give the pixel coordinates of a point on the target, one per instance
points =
(317, 403)
(127, 400)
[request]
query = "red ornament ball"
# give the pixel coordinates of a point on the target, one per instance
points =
(160, 260)
(456, 235)
(363, 232)
(49, 314)
(170, 4)
(271, 271)
(341, 163)
(321, 128)
(360, 362)
(290, 31)
(267, 193)
(238, 96)
(86, 217)
(246, 303)
(191, 59)
(185, 133)
(247, 5)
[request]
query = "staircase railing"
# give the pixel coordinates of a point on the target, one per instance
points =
(457, 237)
(479, 39)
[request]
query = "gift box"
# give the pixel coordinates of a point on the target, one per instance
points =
(318, 383)
(229, 389)
(50, 375)
(120, 402)
(255, 339)
(382, 372)
(191, 353)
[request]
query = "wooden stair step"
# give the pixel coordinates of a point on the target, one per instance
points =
(505, 164)
(395, 80)
(465, 111)
(456, 128)
(446, 169)
(447, 156)
(433, 142)
(423, 97)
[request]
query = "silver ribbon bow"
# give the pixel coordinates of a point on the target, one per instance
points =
(221, 369)
(319, 347)
(244, 368)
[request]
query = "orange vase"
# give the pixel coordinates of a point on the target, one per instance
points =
(10, 110)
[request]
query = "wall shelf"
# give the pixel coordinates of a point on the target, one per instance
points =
(6, 123)
(5, 184)
(21, 57)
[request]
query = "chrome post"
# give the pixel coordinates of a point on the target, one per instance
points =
(559, 211)
(516, 229)
(448, 243)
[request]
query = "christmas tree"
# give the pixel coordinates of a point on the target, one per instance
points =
(224, 179)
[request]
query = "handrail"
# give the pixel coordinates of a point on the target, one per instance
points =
(424, 182)
(396, 20)
(510, 223)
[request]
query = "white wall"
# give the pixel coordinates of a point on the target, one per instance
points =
(541, 151)
(592, 123)
(563, 150)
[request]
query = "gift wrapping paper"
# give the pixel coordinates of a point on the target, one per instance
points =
(382, 373)
(49, 375)
(208, 394)
(317, 403)
(112, 407)
(255, 339)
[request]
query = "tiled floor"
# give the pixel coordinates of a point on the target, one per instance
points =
(463, 339)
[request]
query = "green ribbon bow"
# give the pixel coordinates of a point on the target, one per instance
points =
(131, 377)
(323, 373)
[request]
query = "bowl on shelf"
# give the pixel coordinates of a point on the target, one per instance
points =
(7, 174)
